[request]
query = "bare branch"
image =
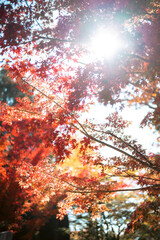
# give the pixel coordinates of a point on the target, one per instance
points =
(52, 38)
(136, 56)
(123, 152)
(156, 186)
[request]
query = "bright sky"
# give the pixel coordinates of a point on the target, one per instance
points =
(144, 136)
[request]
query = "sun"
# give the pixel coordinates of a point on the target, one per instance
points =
(105, 43)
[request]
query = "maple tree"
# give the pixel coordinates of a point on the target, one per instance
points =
(43, 44)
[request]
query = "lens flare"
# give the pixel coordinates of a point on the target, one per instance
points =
(106, 44)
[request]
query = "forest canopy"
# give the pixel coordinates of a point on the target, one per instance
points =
(58, 60)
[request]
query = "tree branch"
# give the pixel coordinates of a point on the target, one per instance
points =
(157, 186)
(123, 152)
(136, 56)
(120, 139)
(69, 113)
(53, 39)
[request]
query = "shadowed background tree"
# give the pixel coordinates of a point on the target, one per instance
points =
(8, 90)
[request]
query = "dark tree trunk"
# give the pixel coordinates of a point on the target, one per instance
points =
(55, 229)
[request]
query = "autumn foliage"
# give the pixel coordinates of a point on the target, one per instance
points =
(45, 132)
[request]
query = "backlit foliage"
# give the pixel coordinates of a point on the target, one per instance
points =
(43, 135)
